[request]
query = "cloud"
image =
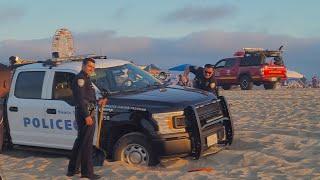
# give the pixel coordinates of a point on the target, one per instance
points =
(8, 14)
(192, 14)
(198, 48)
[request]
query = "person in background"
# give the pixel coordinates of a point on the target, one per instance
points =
(204, 78)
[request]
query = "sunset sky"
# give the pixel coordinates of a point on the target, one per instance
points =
(165, 32)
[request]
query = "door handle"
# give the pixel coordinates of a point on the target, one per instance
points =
(13, 109)
(51, 111)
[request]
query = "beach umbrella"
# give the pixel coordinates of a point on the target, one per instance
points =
(294, 74)
(181, 67)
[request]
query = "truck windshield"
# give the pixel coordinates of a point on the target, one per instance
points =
(124, 78)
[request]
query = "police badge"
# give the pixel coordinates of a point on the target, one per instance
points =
(80, 82)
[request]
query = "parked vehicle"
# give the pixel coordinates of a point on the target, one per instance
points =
(157, 72)
(252, 66)
(143, 121)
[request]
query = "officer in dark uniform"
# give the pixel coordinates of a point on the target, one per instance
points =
(85, 100)
(204, 78)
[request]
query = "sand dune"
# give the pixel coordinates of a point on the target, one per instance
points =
(277, 136)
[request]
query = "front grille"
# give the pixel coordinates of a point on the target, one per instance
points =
(209, 112)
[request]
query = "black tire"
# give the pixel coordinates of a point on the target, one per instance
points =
(246, 82)
(135, 149)
(266, 86)
(226, 87)
(271, 85)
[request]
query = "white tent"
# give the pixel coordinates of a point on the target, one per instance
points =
(294, 74)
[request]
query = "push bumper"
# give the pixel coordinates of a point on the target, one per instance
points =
(181, 143)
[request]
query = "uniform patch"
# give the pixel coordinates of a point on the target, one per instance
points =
(80, 82)
(212, 85)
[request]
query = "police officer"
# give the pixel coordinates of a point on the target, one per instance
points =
(204, 78)
(85, 99)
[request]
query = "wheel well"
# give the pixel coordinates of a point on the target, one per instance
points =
(116, 132)
(244, 74)
(125, 130)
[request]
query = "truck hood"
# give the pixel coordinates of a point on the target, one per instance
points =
(162, 99)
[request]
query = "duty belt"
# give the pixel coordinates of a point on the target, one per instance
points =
(91, 107)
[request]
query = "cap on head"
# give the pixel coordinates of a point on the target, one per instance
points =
(209, 66)
(86, 60)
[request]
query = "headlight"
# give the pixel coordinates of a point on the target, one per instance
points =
(171, 122)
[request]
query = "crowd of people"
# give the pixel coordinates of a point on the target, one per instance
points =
(303, 83)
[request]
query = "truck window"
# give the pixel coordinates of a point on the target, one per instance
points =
(230, 62)
(61, 89)
(29, 85)
(221, 64)
(123, 78)
(252, 60)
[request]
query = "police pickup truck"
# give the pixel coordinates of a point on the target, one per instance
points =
(143, 121)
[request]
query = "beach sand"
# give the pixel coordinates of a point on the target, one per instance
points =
(277, 135)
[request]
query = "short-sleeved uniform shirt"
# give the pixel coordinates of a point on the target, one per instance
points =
(83, 93)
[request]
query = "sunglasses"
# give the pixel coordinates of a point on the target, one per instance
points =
(207, 72)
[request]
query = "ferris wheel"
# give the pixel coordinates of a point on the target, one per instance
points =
(62, 43)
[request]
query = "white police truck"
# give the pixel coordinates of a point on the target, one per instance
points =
(143, 121)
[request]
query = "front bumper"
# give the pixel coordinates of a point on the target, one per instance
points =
(206, 125)
(183, 144)
(269, 79)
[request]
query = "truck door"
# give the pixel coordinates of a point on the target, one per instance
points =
(219, 71)
(230, 71)
(25, 108)
(60, 110)
(251, 65)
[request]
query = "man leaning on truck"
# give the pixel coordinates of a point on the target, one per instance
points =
(204, 79)
(85, 99)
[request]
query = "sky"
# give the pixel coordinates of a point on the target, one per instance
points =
(166, 32)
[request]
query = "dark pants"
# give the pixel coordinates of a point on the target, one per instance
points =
(82, 148)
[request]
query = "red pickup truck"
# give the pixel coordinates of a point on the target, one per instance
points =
(252, 66)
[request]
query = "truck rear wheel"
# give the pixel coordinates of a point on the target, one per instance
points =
(134, 149)
(226, 87)
(246, 82)
(271, 85)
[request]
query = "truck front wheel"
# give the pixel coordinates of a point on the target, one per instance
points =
(133, 148)
(246, 83)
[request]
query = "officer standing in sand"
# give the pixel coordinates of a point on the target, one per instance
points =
(204, 79)
(85, 99)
